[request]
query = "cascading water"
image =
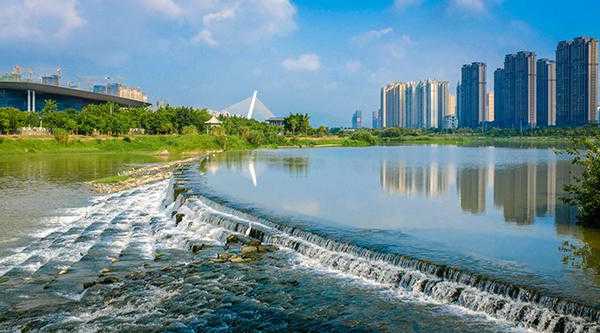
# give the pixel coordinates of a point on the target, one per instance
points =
(437, 283)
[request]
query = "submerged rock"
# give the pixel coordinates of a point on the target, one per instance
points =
(89, 284)
(109, 280)
(232, 239)
(178, 218)
(195, 248)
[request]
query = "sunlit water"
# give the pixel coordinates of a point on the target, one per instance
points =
(419, 239)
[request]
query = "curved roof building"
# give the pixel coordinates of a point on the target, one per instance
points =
(31, 96)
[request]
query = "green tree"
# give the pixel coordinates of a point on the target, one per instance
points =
(297, 123)
(50, 106)
(583, 192)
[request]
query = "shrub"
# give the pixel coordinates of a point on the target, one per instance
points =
(363, 136)
(583, 193)
(61, 136)
(189, 130)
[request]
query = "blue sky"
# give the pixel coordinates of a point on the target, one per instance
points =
(326, 58)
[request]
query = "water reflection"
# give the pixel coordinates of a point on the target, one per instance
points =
(431, 181)
(522, 192)
(297, 166)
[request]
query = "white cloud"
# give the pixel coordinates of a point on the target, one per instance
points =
(398, 48)
(371, 35)
(39, 20)
(306, 62)
(403, 4)
(477, 6)
(205, 37)
(213, 19)
(168, 7)
(220, 22)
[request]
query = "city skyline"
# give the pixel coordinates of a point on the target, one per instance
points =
(185, 53)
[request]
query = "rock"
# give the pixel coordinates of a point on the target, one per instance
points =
(197, 248)
(113, 260)
(104, 271)
(237, 259)
(63, 271)
(178, 218)
(224, 256)
(248, 249)
(89, 284)
(157, 256)
(232, 239)
(266, 248)
(109, 280)
(254, 242)
(164, 153)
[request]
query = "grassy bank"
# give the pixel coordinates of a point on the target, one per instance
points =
(150, 144)
(182, 144)
(139, 144)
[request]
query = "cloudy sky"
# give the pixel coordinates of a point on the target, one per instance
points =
(326, 58)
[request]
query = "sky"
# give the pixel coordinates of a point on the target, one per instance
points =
(325, 58)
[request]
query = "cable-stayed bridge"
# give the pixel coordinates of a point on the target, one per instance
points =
(250, 108)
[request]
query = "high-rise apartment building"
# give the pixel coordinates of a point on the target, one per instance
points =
(451, 105)
(375, 119)
(516, 91)
(489, 107)
(576, 81)
(357, 119)
(420, 104)
(498, 96)
(471, 93)
(546, 93)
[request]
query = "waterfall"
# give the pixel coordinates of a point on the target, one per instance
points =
(437, 283)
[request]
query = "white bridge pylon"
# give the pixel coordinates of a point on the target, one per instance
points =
(250, 108)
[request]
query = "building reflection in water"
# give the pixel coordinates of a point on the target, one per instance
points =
(297, 166)
(522, 192)
(431, 180)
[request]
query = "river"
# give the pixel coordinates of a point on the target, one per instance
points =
(409, 238)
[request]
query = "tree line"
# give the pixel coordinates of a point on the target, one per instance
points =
(108, 119)
(112, 119)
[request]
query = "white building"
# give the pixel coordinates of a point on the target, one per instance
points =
(421, 104)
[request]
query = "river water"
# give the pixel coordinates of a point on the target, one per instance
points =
(408, 238)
